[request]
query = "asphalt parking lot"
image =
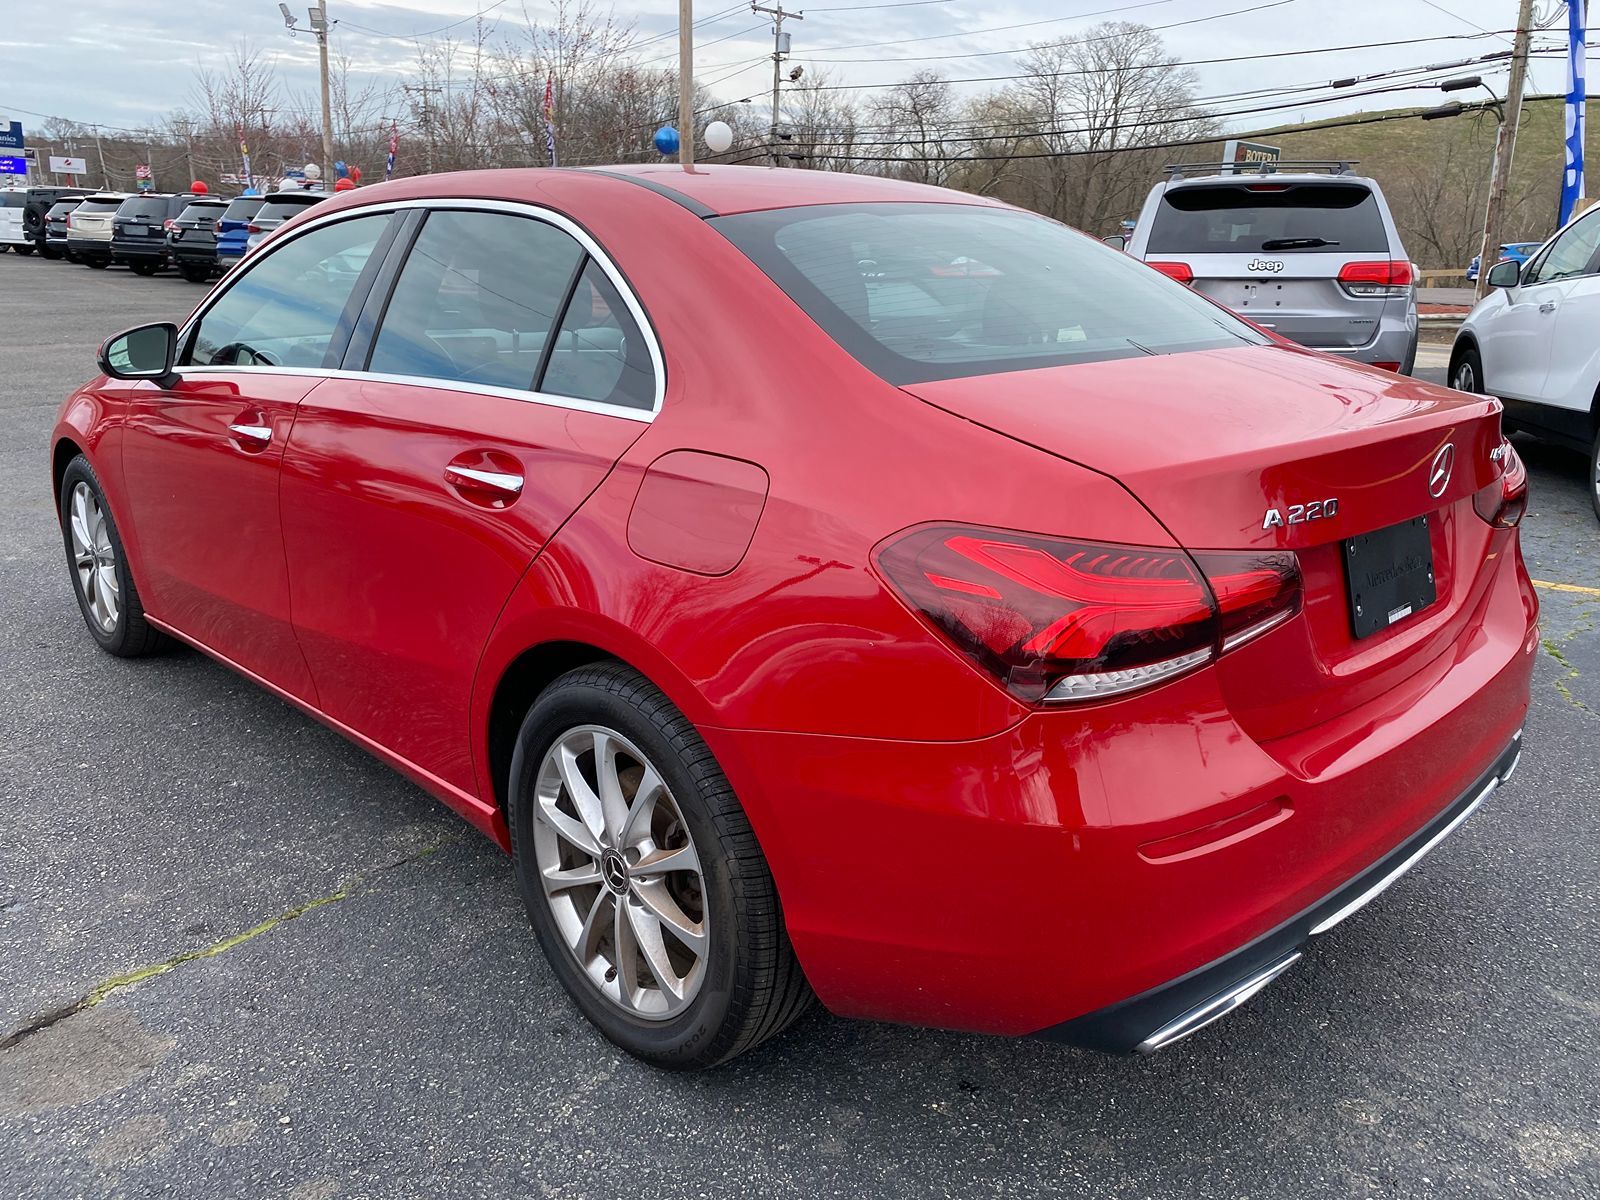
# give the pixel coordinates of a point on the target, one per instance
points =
(290, 973)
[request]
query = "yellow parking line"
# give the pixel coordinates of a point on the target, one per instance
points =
(1566, 587)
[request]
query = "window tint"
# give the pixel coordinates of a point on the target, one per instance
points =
(1571, 253)
(599, 353)
(243, 208)
(13, 199)
(476, 299)
(57, 211)
(91, 207)
(152, 208)
(278, 211)
(201, 212)
(942, 291)
(283, 311)
(1304, 218)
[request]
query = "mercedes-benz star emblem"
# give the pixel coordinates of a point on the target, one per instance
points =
(1439, 472)
(614, 870)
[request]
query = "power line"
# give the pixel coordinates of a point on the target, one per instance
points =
(411, 37)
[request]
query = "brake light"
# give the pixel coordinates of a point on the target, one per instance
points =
(1386, 278)
(216, 226)
(1057, 621)
(69, 220)
(1504, 502)
(1181, 271)
(168, 224)
(253, 228)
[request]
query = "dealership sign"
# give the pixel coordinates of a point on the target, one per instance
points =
(69, 166)
(11, 134)
(1248, 153)
(13, 164)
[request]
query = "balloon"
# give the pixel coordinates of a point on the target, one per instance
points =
(355, 173)
(345, 185)
(666, 140)
(719, 137)
(340, 169)
(313, 171)
(198, 187)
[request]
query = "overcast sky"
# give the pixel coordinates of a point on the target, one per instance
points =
(126, 63)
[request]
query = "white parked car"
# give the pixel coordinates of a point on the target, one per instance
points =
(1535, 342)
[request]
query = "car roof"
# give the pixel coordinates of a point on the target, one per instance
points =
(713, 190)
(220, 201)
(108, 197)
(289, 197)
(1271, 177)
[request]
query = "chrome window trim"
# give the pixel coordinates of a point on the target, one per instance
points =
(514, 208)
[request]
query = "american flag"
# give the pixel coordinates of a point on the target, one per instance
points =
(550, 117)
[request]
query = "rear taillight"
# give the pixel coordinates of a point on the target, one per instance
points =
(1503, 503)
(216, 226)
(68, 219)
(1181, 271)
(1390, 277)
(1057, 621)
(253, 228)
(169, 224)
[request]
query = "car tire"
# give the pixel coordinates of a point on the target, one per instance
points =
(98, 566)
(195, 274)
(1466, 370)
(52, 255)
(98, 264)
(1594, 470)
(608, 724)
(23, 250)
(144, 268)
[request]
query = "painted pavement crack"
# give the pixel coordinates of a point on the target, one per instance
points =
(107, 988)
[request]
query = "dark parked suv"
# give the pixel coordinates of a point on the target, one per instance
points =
(139, 230)
(57, 226)
(192, 239)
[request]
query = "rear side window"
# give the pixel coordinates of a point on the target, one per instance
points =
(477, 299)
(1277, 218)
(918, 292)
(599, 353)
(285, 308)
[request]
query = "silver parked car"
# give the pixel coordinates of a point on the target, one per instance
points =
(1307, 250)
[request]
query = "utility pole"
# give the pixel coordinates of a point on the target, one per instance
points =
(780, 51)
(100, 152)
(1504, 146)
(686, 82)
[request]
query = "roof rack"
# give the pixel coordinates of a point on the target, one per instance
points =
(1334, 166)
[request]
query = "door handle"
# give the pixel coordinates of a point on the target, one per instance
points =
(251, 431)
(1549, 306)
(495, 482)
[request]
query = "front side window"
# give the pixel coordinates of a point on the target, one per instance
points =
(918, 292)
(1570, 254)
(284, 310)
(477, 299)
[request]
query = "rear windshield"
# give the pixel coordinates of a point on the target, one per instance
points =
(62, 207)
(281, 210)
(918, 292)
(1293, 218)
(150, 208)
(13, 199)
(242, 209)
(89, 207)
(201, 212)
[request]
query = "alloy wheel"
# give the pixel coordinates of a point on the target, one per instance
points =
(620, 872)
(1466, 379)
(94, 558)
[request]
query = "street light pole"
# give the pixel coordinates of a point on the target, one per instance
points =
(1504, 146)
(686, 82)
(319, 26)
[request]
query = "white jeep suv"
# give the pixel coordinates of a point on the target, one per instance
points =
(1535, 342)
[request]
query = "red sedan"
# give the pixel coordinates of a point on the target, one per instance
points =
(824, 585)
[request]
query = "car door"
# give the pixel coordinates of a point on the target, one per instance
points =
(1569, 381)
(200, 458)
(419, 485)
(1518, 341)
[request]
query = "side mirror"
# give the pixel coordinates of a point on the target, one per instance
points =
(1505, 274)
(1117, 241)
(143, 352)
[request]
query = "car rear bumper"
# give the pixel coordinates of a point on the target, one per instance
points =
(124, 250)
(1171, 1012)
(1395, 342)
(193, 254)
(90, 247)
(1087, 858)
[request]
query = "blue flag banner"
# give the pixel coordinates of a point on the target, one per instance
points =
(1572, 189)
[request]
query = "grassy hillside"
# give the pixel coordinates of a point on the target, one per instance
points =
(1436, 173)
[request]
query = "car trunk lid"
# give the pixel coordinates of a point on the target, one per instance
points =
(1274, 448)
